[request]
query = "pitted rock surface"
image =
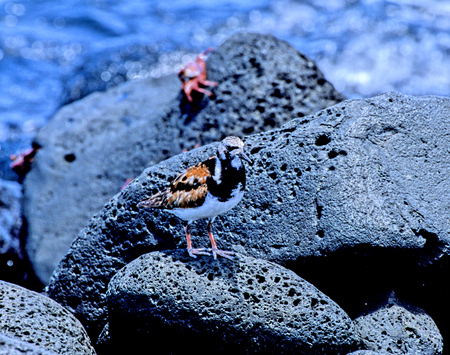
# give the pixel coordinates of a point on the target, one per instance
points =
(13, 346)
(363, 173)
(91, 147)
(38, 320)
(263, 83)
(399, 328)
(246, 305)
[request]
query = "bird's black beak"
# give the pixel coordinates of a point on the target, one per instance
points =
(246, 158)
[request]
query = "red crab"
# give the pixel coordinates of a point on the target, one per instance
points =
(194, 74)
(126, 183)
(21, 163)
(187, 150)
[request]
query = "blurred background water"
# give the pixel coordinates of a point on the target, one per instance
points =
(54, 52)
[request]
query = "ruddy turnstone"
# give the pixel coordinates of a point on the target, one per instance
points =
(206, 190)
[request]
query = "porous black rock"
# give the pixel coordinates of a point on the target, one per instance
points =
(263, 83)
(36, 319)
(397, 327)
(364, 177)
(10, 216)
(14, 346)
(13, 264)
(244, 305)
(91, 147)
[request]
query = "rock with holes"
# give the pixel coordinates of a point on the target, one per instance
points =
(364, 174)
(365, 352)
(245, 305)
(14, 346)
(396, 327)
(91, 147)
(263, 83)
(31, 317)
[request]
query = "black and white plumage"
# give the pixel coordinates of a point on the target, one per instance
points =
(206, 190)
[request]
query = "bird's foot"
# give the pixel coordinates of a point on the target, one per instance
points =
(223, 253)
(199, 251)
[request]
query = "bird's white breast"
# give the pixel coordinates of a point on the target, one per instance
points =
(211, 207)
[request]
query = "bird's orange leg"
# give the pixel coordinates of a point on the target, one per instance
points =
(215, 251)
(193, 252)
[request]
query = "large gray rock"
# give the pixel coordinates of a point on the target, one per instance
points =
(91, 147)
(245, 305)
(88, 151)
(399, 328)
(38, 320)
(361, 174)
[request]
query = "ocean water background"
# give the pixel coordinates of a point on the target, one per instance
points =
(364, 47)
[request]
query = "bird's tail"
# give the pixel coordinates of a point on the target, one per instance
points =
(156, 201)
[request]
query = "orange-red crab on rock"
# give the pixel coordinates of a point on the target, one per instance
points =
(194, 74)
(21, 163)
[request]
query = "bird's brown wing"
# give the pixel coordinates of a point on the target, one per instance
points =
(188, 189)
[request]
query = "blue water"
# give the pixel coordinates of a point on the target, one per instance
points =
(363, 47)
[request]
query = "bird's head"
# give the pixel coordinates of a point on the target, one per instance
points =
(232, 147)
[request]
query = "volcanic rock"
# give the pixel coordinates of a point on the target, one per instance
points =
(244, 305)
(399, 328)
(93, 146)
(363, 176)
(35, 319)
